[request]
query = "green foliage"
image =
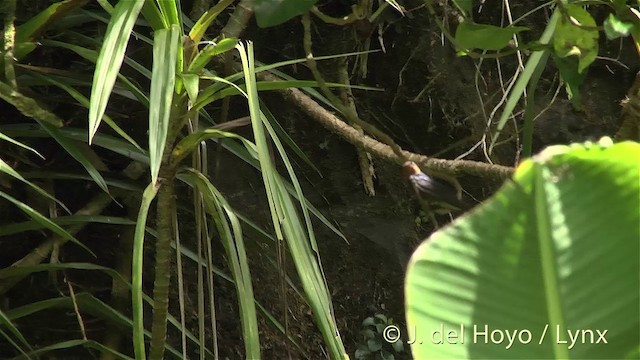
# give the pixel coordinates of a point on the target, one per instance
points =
(541, 258)
(576, 36)
(573, 78)
(536, 61)
(163, 80)
(466, 6)
(177, 75)
(184, 86)
(378, 335)
(110, 59)
(275, 12)
(470, 35)
(29, 33)
(615, 28)
(571, 37)
(136, 270)
(42, 220)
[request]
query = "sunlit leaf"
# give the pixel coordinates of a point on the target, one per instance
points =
(538, 260)
(573, 40)
(286, 221)
(170, 12)
(110, 59)
(470, 35)
(165, 52)
(204, 56)
(532, 64)
(30, 31)
(615, 28)
(198, 30)
(18, 143)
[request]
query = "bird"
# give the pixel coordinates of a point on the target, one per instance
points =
(429, 189)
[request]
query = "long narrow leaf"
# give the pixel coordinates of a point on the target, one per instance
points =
(165, 51)
(15, 228)
(234, 246)
(44, 221)
(198, 30)
(85, 102)
(6, 322)
(523, 79)
(248, 154)
(169, 12)
(108, 142)
(287, 224)
(117, 182)
(17, 143)
(110, 59)
(5, 168)
(75, 152)
(136, 269)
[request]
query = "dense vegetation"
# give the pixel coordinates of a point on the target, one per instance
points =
(221, 179)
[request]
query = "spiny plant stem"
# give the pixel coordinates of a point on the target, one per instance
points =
(165, 207)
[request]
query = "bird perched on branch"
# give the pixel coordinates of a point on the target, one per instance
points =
(431, 190)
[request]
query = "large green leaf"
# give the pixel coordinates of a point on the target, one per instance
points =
(470, 35)
(553, 253)
(275, 12)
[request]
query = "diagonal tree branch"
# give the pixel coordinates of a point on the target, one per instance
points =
(384, 151)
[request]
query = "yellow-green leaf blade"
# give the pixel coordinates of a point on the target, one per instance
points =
(110, 59)
(165, 51)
